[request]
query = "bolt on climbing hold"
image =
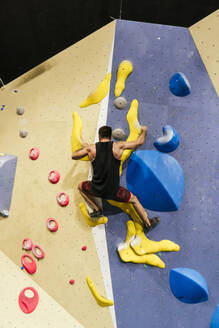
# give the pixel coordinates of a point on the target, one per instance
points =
(52, 224)
(28, 304)
(20, 110)
(118, 134)
(62, 199)
(54, 176)
(120, 103)
(30, 267)
(38, 252)
(84, 248)
(71, 282)
(27, 244)
(34, 153)
(23, 133)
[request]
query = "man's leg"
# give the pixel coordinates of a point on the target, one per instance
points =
(140, 210)
(88, 198)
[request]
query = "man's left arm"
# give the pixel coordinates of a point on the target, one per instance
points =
(78, 154)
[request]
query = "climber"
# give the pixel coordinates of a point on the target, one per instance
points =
(105, 158)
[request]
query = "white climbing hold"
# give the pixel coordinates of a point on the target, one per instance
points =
(20, 110)
(120, 103)
(118, 134)
(23, 133)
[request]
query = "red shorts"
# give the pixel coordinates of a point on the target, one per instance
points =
(122, 195)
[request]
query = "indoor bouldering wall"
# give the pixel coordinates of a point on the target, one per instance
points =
(142, 293)
(49, 94)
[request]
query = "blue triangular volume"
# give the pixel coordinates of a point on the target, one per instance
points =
(157, 180)
(188, 285)
(215, 318)
(8, 165)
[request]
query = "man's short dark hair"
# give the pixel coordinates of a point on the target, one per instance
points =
(105, 132)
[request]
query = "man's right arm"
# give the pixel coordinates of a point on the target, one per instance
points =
(136, 143)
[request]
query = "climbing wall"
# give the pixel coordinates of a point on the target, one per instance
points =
(49, 94)
(142, 294)
(206, 37)
(48, 313)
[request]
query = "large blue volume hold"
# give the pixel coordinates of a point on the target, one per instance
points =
(179, 85)
(188, 285)
(215, 318)
(157, 180)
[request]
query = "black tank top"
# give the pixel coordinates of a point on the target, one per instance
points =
(105, 181)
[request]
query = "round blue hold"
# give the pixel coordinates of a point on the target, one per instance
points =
(169, 141)
(179, 85)
(22, 268)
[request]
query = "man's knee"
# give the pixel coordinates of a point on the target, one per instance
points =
(133, 199)
(80, 186)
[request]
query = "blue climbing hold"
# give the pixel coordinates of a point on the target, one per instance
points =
(169, 141)
(215, 318)
(22, 268)
(188, 285)
(157, 179)
(179, 85)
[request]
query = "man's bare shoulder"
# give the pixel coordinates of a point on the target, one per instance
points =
(118, 144)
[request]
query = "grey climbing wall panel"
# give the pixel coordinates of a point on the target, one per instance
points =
(8, 165)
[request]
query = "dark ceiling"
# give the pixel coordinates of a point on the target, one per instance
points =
(34, 30)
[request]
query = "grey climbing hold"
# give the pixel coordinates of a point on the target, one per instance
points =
(20, 110)
(4, 213)
(23, 133)
(120, 103)
(118, 134)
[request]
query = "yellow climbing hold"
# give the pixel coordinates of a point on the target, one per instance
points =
(127, 254)
(129, 209)
(142, 245)
(124, 69)
(100, 93)
(102, 301)
(76, 141)
(135, 130)
(92, 222)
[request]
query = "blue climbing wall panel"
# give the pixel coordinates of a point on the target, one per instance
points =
(142, 295)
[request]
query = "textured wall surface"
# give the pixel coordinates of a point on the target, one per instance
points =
(142, 295)
(50, 93)
(206, 37)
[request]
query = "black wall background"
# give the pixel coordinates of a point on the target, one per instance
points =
(32, 31)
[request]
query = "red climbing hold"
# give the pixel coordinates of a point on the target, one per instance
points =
(27, 244)
(38, 252)
(54, 176)
(28, 304)
(62, 199)
(71, 282)
(84, 248)
(34, 153)
(52, 224)
(30, 267)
